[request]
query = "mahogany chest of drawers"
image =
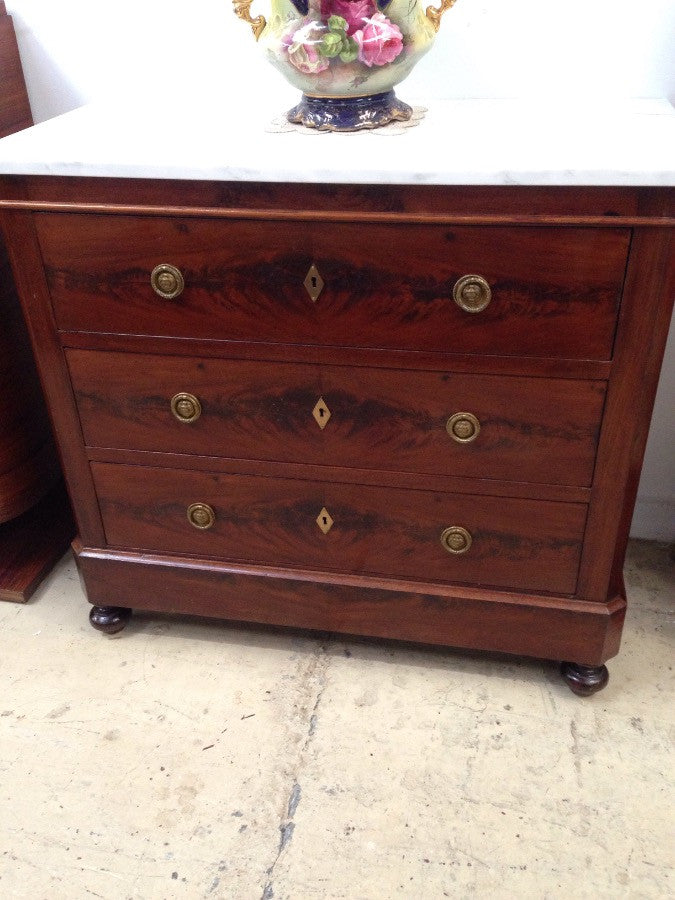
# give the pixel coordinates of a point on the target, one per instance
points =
(404, 412)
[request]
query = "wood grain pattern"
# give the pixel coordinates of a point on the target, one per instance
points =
(532, 625)
(381, 202)
(535, 430)
(370, 357)
(450, 484)
(556, 292)
(531, 545)
(643, 330)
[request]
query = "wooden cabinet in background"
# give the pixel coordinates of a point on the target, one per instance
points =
(35, 521)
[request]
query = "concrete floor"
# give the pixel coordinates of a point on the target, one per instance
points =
(186, 758)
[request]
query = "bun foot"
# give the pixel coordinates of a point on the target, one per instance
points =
(584, 680)
(109, 619)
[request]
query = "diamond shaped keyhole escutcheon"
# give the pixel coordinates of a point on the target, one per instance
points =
(321, 413)
(314, 283)
(324, 520)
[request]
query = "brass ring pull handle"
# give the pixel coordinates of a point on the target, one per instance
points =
(167, 281)
(434, 13)
(186, 407)
(242, 9)
(472, 293)
(201, 516)
(456, 540)
(463, 427)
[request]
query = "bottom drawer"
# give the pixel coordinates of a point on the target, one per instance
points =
(509, 543)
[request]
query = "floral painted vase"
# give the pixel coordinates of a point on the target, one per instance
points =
(346, 56)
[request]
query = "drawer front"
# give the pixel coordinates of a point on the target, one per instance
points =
(554, 291)
(519, 544)
(481, 426)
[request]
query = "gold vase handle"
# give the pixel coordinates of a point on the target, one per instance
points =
(434, 13)
(242, 8)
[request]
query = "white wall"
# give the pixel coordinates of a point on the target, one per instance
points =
(78, 50)
(75, 50)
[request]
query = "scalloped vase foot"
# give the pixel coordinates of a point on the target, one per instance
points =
(350, 113)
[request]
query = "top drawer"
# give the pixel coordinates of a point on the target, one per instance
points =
(554, 291)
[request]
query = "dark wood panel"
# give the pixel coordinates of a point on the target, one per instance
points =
(555, 292)
(355, 475)
(643, 330)
(31, 544)
(31, 285)
(536, 430)
(580, 369)
(609, 205)
(457, 617)
(531, 545)
(28, 481)
(28, 466)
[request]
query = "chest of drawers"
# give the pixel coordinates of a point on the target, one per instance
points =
(394, 411)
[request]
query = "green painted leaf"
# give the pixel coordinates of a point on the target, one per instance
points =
(350, 52)
(331, 45)
(337, 23)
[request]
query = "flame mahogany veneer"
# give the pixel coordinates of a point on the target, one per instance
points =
(560, 370)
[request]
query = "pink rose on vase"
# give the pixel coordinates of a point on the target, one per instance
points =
(379, 41)
(352, 11)
(303, 47)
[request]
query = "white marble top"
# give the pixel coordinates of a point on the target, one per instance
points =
(470, 142)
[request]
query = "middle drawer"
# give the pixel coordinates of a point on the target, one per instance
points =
(477, 426)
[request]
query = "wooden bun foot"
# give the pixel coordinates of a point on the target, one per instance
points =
(109, 619)
(584, 680)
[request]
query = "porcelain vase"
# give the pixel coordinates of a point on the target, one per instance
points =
(346, 56)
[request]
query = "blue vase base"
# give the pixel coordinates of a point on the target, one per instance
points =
(349, 113)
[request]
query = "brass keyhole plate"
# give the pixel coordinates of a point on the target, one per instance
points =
(321, 413)
(325, 521)
(314, 283)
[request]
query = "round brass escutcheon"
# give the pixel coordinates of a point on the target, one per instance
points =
(201, 516)
(472, 293)
(456, 540)
(463, 427)
(186, 407)
(167, 281)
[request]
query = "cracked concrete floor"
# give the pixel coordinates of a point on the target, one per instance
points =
(188, 759)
